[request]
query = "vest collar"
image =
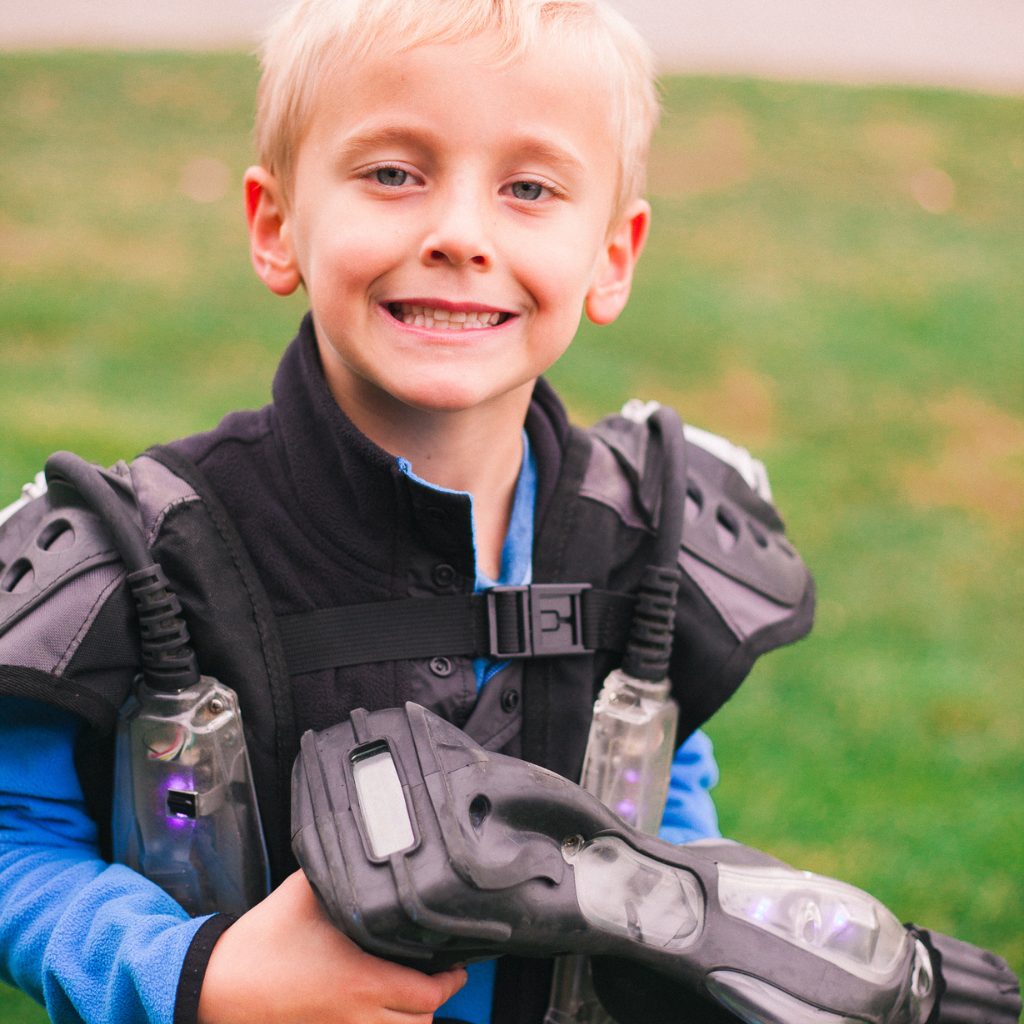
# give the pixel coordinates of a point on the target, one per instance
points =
(340, 476)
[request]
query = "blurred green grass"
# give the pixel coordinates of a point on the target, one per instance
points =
(797, 295)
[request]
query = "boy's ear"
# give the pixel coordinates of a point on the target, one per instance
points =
(609, 290)
(271, 248)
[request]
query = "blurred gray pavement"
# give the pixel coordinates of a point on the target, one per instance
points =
(960, 43)
(975, 44)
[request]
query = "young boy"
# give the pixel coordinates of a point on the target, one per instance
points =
(452, 182)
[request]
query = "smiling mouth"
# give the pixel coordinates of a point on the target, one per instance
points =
(444, 319)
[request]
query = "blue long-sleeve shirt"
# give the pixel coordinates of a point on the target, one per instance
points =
(91, 941)
(96, 942)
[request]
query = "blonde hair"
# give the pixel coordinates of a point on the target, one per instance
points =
(313, 36)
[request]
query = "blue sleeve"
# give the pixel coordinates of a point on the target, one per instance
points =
(92, 941)
(689, 811)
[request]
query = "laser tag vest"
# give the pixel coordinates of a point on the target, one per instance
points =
(316, 577)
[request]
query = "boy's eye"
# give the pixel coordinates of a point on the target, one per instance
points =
(391, 175)
(527, 189)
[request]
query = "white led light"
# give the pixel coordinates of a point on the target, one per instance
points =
(383, 803)
(828, 918)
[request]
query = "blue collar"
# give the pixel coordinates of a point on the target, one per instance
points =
(517, 551)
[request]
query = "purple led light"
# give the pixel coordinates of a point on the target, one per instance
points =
(631, 775)
(625, 809)
(176, 821)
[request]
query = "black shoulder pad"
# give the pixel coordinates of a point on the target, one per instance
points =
(739, 533)
(728, 525)
(65, 617)
(44, 547)
(67, 627)
(630, 439)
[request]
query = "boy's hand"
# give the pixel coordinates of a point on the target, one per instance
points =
(285, 963)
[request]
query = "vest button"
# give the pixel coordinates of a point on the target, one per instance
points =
(437, 514)
(510, 700)
(444, 575)
(441, 667)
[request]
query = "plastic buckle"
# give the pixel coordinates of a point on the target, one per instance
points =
(544, 620)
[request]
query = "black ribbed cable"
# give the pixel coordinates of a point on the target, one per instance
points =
(168, 661)
(650, 639)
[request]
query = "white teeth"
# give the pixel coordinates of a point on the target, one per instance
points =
(443, 319)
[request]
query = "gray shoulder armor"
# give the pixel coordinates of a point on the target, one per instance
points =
(60, 575)
(733, 545)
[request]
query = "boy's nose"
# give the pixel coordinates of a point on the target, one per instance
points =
(455, 257)
(460, 238)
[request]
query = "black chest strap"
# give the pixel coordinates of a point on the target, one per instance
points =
(540, 620)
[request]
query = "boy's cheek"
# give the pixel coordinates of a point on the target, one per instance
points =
(342, 250)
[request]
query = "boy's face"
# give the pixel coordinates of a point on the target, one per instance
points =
(431, 191)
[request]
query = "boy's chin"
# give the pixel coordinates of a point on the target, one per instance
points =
(454, 396)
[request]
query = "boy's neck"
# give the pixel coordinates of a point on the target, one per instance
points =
(478, 450)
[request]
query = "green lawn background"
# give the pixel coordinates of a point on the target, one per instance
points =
(835, 278)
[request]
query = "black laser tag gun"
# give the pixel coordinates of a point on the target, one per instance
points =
(428, 850)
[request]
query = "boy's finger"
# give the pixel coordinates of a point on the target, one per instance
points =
(454, 980)
(412, 992)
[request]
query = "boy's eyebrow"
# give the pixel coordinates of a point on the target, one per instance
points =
(420, 138)
(383, 134)
(549, 151)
